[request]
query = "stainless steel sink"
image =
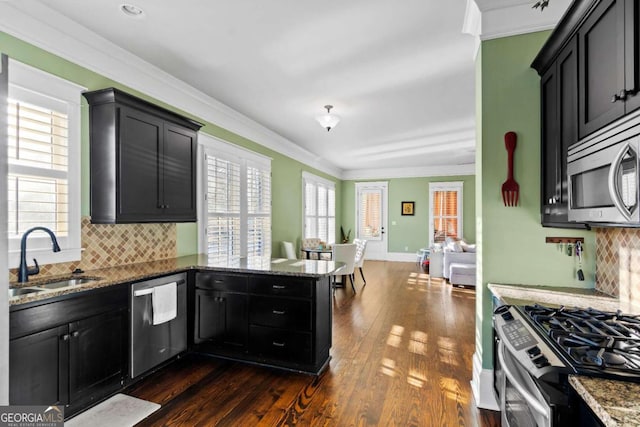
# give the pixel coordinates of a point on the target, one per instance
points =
(14, 292)
(68, 283)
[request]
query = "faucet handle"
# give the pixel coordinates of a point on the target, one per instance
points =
(33, 270)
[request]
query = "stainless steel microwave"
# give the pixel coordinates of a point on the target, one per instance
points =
(603, 176)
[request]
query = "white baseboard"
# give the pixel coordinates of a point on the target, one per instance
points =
(482, 386)
(401, 256)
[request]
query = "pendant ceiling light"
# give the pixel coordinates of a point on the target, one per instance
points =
(328, 120)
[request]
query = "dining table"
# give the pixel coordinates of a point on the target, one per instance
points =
(318, 251)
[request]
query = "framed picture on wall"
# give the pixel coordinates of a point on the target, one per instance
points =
(408, 208)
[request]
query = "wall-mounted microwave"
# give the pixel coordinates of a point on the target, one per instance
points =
(603, 176)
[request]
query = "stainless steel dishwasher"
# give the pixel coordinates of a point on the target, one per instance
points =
(153, 344)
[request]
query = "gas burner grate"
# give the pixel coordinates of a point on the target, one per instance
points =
(592, 340)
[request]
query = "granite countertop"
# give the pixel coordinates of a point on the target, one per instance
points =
(616, 403)
(135, 272)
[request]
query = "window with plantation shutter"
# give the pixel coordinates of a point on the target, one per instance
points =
(223, 210)
(258, 211)
(43, 118)
(237, 205)
(319, 208)
(445, 211)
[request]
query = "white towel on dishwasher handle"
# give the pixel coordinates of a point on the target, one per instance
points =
(164, 300)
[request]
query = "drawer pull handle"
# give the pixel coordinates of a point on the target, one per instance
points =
(218, 281)
(278, 344)
(279, 287)
(278, 312)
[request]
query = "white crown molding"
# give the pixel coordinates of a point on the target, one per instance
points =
(492, 19)
(47, 29)
(416, 172)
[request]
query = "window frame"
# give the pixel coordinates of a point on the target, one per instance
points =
(329, 185)
(456, 186)
(41, 88)
(210, 145)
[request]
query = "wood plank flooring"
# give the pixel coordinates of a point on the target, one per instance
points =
(401, 356)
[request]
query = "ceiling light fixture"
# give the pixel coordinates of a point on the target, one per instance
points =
(131, 11)
(328, 120)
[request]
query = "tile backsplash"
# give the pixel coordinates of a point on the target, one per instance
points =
(618, 262)
(108, 245)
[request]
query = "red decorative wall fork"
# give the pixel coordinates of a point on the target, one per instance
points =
(510, 188)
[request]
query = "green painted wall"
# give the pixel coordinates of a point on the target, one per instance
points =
(286, 172)
(412, 232)
(511, 241)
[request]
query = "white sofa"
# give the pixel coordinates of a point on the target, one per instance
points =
(457, 258)
(460, 267)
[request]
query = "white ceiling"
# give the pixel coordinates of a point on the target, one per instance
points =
(399, 73)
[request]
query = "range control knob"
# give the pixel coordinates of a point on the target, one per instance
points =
(541, 362)
(534, 351)
(507, 316)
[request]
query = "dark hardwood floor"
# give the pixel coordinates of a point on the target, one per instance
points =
(402, 349)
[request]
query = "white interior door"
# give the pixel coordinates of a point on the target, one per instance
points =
(371, 218)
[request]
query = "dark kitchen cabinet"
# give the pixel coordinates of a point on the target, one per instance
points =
(38, 368)
(290, 320)
(221, 311)
(70, 352)
(143, 161)
(273, 320)
(559, 116)
(608, 64)
(96, 355)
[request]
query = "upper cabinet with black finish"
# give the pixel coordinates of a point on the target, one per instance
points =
(143, 161)
(608, 41)
(559, 101)
(589, 77)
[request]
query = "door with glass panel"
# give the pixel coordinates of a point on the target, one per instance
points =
(371, 218)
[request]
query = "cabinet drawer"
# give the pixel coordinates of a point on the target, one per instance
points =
(221, 282)
(281, 312)
(280, 344)
(279, 285)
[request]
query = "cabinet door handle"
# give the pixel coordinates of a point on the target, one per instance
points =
(277, 344)
(622, 96)
(279, 287)
(65, 337)
(75, 334)
(280, 312)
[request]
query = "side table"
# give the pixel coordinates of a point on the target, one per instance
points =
(436, 268)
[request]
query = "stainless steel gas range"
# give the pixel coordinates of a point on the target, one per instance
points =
(536, 347)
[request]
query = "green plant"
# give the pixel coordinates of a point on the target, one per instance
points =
(347, 237)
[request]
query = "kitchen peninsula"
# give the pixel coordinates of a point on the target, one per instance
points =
(271, 312)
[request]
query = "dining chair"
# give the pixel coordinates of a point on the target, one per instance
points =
(361, 245)
(345, 253)
(289, 250)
